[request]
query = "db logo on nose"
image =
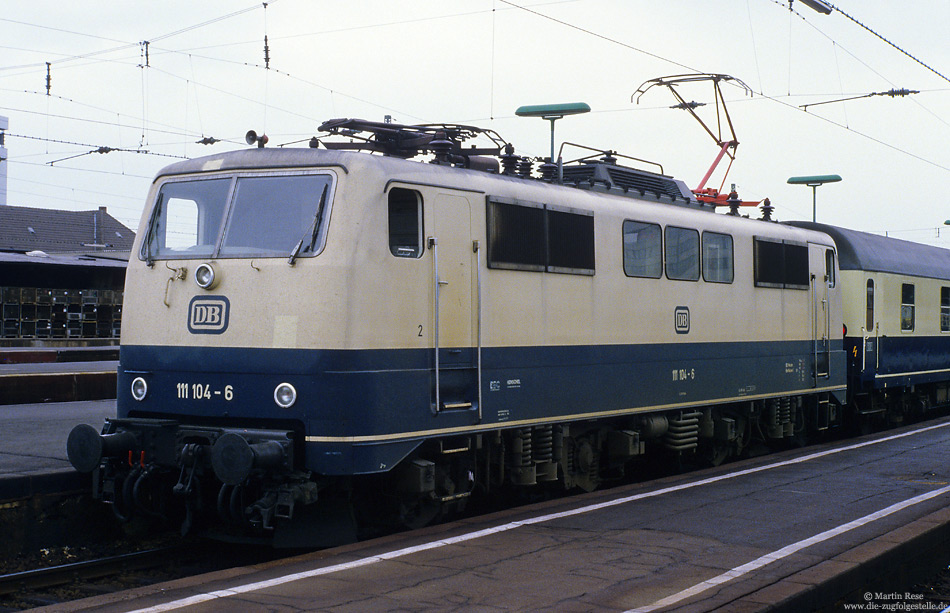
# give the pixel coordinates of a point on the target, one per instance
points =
(208, 314)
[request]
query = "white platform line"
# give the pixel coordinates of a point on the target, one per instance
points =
(786, 551)
(471, 536)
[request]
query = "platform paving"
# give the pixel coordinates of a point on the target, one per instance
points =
(33, 445)
(786, 532)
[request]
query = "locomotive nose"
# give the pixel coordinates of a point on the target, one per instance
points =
(85, 447)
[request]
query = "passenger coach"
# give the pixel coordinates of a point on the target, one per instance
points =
(897, 322)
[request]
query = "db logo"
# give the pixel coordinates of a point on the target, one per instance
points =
(681, 320)
(208, 314)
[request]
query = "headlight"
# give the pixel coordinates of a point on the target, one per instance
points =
(139, 388)
(205, 277)
(285, 395)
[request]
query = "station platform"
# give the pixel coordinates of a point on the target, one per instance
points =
(33, 446)
(23, 355)
(796, 531)
(29, 375)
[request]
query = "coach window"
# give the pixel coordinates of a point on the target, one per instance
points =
(869, 324)
(717, 258)
(682, 254)
(907, 307)
(405, 223)
(945, 309)
(642, 250)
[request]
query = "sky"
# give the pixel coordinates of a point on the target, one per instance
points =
(114, 115)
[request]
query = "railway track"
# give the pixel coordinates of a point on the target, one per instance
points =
(61, 583)
(32, 581)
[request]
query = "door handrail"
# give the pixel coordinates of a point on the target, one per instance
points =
(478, 285)
(433, 244)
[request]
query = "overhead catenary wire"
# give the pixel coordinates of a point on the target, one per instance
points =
(93, 148)
(782, 4)
(927, 66)
(197, 84)
(765, 96)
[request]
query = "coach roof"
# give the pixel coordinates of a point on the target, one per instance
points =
(875, 253)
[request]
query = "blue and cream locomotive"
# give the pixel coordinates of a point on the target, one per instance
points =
(317, 334)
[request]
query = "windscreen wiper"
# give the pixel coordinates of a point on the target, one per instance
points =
(149, 232)
(313, 230)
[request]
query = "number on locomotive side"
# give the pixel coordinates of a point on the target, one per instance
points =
(201, 391)
(420, 329)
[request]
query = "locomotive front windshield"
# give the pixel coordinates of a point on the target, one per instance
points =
(235, 217)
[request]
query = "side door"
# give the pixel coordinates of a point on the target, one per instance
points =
(821, 263)
(869, 332)
(454, 304)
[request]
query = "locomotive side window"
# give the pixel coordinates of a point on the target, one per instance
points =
(780, 264)
(405, 223)
(907, 307)
(869, 324)
(532, 236)
(682, 254)
(516, 236)
(642, 250)
(945, 309)
(570, 235)
(796, 266)
(717, 258)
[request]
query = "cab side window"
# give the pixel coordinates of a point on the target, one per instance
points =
(830, 267)
(405, 223)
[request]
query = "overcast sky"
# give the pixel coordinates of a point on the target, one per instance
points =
(475, 62)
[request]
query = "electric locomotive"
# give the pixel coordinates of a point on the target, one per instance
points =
(339, 335)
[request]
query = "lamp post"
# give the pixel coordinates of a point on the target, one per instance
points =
(552, 112)
(813, 182)
(818, 5)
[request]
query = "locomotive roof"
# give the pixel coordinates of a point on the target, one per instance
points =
(875, 253)
(607, 178)
(256, 158)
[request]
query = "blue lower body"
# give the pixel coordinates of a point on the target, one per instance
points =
(362, 411)
(897, 361)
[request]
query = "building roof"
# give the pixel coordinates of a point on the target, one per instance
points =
(876, 253)
(24, 229)
(86, 261)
